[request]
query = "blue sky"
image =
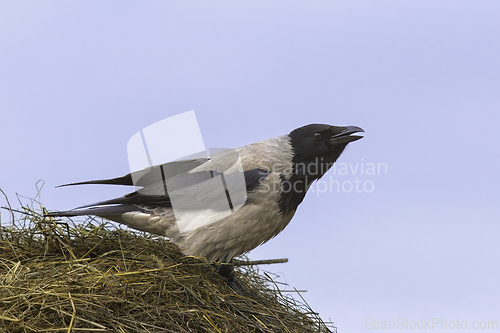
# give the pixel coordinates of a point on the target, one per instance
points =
(79, 78)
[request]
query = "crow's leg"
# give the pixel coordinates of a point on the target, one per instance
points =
(227, 272)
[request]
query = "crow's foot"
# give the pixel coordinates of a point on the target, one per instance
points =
(227, 272)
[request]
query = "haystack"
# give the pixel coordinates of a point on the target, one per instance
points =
(93, 276)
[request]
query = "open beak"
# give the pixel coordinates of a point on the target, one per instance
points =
(346, 135)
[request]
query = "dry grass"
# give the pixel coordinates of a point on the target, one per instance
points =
(60, 276)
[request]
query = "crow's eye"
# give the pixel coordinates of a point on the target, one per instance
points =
(318, 136)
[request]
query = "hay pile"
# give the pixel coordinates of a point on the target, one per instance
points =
(60, 276)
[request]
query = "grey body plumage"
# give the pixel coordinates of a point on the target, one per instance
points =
(277, 173)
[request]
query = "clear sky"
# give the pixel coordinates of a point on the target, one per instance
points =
(419, 241)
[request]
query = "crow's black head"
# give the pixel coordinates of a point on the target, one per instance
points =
(318, 140)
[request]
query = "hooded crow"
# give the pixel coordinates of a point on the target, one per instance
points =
(277, 173)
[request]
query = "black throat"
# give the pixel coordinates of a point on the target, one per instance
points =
(305, 170)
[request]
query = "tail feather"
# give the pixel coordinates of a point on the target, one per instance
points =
(130, 215)
(113, 213)
(148, 176)
(125, 180)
